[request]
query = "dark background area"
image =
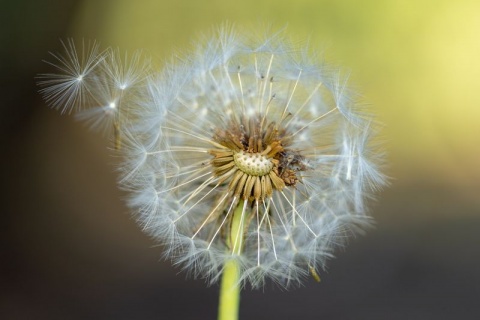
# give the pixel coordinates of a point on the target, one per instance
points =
(70, 250)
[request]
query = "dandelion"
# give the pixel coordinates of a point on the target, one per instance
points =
(258, 131)
(245, 158)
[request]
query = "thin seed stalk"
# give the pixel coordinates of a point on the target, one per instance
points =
(229, 302)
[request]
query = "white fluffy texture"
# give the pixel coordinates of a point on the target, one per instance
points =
(99, 86)
(168, 121)
(176, 193)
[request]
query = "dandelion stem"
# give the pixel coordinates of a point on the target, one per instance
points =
(230, 286)
(229, 292)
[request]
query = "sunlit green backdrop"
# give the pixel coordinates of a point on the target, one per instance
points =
(70, 249)
(416, 62)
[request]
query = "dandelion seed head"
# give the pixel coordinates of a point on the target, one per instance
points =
(256, 127)
(259, 126)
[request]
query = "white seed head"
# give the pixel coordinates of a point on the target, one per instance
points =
(254, 124)
(241, 124)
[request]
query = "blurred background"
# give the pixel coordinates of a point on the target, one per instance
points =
(70, 250)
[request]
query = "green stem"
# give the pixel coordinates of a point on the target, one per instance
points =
(229, 292)
(230, 287)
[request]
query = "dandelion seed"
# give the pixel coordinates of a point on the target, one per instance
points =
(102, 87)
(70, 88)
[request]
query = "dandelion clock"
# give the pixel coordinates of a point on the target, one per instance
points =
(250, 160)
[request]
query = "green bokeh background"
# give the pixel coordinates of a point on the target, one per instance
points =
(70, 249)
(416, 62)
